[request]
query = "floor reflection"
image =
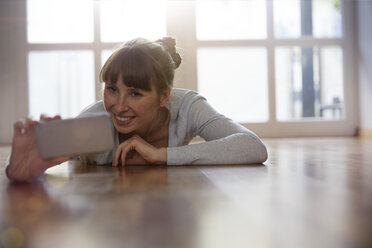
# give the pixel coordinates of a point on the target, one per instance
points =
(310, 193)
(29, 210)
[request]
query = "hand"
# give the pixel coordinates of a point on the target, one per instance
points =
(26, 165)
(146, 151)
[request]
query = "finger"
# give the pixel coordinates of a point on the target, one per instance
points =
(130, 146)
(126, 147)
(30, 127)
(43, 117)
(28, 120)
(119, 151)
(117, 156)
(28, 124)
(123, 156)
(57, 117)
(18, 128)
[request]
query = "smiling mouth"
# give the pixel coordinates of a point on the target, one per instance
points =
(124, 119)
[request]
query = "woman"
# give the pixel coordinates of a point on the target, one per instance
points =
(153, 123)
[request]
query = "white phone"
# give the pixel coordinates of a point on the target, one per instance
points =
(71, 137)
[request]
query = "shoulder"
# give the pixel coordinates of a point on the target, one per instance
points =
(181, 100)
(95, 108)
(179, 95)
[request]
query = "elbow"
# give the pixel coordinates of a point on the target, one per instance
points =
(262, 153)
(256, 152)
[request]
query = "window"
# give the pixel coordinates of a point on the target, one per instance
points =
(309, 79)
(234, 80)
(47, 22)
(230, 20)
(314, 91)
(66, 54)
(281, 67)
(60, 82)
(123, 20)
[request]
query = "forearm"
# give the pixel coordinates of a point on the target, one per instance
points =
(240, 148)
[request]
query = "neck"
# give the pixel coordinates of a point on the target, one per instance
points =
(159, 129)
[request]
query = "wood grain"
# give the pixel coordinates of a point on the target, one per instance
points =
(310, 193)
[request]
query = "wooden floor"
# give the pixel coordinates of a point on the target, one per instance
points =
(310, 193)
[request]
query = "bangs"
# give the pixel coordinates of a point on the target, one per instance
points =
(132, 65)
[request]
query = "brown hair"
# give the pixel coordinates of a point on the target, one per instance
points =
(140, 62)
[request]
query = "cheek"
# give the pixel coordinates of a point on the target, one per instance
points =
(140, 108)
(107, 100)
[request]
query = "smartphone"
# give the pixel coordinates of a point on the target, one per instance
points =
(71, 137)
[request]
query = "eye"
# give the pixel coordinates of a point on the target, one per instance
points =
(135, 93)
(111, 88)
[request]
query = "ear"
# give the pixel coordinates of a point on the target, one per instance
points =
(164, 96)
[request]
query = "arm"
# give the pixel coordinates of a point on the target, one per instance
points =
(227, 142)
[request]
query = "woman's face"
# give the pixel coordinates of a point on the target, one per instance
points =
(132, 110)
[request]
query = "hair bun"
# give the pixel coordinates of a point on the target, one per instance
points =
(169, 44)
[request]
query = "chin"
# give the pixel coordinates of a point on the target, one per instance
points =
(122, 130)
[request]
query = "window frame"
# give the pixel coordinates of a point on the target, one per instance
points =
(180, 21)
(273, 128)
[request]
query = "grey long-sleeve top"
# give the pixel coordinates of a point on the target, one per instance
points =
(227, 142)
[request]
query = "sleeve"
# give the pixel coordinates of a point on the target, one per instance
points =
(227, 142)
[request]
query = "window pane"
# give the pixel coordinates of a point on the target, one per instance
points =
(60, 82)
(59, 21)
(124, 20)
(287, 18)
(331, 76)
(309, 83)
(234, 81)
(105, 55)
(230, 20)
(297, 18)
(327, 18)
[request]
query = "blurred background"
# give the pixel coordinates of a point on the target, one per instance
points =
(283, 68)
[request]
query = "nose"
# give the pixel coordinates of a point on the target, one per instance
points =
(121, 105)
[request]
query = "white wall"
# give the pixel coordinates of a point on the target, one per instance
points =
(13, 83)
(364, 16)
